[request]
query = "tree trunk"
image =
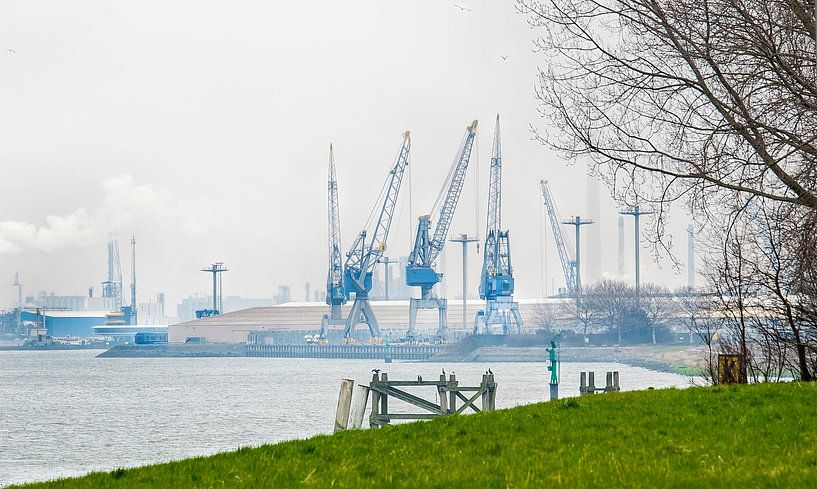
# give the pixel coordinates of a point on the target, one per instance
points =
(805, 374)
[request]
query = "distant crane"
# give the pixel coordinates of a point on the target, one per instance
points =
(497, 284)
(112, 287)
(134, 318)
(420, 268)
(335, 290)
(568, 263)
(362, 257)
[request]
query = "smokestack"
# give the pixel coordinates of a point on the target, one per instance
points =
(621, 246)
(592, 242)
(690, 257)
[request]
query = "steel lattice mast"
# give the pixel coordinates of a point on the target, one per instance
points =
(112, 287)
(497, 283)
(420, 269)
(335, 291)
(362, 258)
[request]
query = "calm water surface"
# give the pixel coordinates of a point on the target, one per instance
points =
(66, 413)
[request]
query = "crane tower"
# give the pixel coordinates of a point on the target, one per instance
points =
(497, 283)
(335, 290)
(427, 247)
(363, 256)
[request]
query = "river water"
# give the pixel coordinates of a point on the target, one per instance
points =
(66, 413)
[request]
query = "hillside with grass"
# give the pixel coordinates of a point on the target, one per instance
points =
(739, 436)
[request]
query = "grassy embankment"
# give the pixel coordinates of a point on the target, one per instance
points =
(750, 436)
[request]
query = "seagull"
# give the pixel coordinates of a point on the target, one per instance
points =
(462, 9)
(375, 370)
(489, 371)
(505, 57)
(443, 371)
(11, 51)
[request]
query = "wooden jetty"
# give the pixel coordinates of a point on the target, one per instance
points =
(362, 352)
(448, 392)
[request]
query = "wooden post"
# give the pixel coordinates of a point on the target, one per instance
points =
(492, 390)
(616, 385)
(442, 393)
(360, 398)
(344, 404)
(485, 393)
(373, 423)
(591, 382)
(384, 398)
(583, 383)
(452, 394)
(608, 382)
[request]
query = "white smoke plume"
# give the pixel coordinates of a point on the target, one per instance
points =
(126, 207)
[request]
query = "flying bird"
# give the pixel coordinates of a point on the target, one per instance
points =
(462, 9)
(11, 51)
(505, 57)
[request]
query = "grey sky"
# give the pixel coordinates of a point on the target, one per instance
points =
(203, 128)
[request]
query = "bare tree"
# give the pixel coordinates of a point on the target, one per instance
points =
(764, 300)
(658, 306)
(545, 317)
(586, 313)
(683, 99)
(703, 323)
(610, 300)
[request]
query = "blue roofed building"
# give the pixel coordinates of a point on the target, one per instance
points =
(59, 324)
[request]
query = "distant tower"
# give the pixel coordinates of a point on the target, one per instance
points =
(593, 239)
(112, 287)
(20, 303)
(284, 294)
(217, 269)
(622, 245)
(578, 222)
(690, 257)
(19, 286)
(133, 279)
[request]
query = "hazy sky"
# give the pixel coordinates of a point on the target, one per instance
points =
(202, 127)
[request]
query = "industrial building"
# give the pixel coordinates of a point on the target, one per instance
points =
(296, 319)
(61, 324)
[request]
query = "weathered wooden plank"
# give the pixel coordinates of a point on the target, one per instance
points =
(344, 404)
(415, 400)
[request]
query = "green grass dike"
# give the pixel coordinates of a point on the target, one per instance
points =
(739, 436)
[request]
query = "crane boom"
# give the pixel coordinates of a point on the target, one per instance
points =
(568, 264)
(426, 250)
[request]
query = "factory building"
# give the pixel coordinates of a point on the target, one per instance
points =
(60, 324)
(296, 319)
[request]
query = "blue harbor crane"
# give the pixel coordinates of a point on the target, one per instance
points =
(335, 290)
(363, 256)
(420, 268)
(568, 263)
(497, 284)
